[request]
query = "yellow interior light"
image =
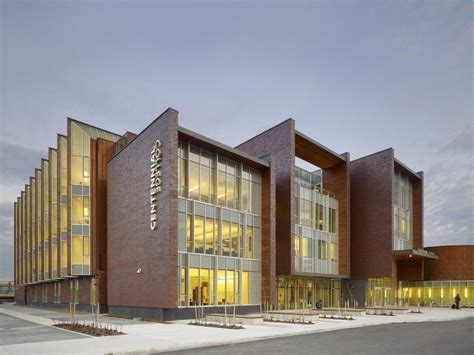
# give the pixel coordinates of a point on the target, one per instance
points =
(465, 292)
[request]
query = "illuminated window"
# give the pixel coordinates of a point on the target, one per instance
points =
(250, 240)
(209, 236)
(199, 234)
(77, 249)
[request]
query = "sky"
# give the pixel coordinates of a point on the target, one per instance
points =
(357, 76)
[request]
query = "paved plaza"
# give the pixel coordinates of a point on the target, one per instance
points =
(452, 337)
(173, 336)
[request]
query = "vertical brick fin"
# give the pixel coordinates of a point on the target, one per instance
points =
(337, 180)
(372, 215)
(131, 244)
(269, 294)
(418, 212)
(279, 142)
(101, 151)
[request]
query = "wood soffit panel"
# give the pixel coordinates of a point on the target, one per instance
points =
(315, 153)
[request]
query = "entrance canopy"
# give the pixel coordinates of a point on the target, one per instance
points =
(414, 254)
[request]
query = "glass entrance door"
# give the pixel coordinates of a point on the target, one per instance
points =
(377, 298)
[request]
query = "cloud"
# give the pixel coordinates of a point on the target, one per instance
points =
(18, 162)
(6, 240)
(449, 192)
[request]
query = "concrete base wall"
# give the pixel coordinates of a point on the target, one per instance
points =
(164, 314)
(86, 308)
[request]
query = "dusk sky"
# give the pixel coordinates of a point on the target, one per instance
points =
(357, 76)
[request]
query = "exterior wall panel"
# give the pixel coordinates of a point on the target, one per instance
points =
(372, 215)
(456, 262)
(132, 245)
(337, 180)
(418, 212)
(279, 142)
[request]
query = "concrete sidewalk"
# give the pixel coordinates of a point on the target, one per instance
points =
(154, 337)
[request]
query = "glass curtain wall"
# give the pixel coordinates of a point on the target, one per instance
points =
(209, 280)
(63, 205)
(33, 236)
(316, 229)
(436, 293)
(381, 292)
(29, 276)
(53, 207)
(45, 218)
(80, 136)
(52, 217)
(402, 212)
(303, 292)
(219, 229)
(79, 197)
(39, 226)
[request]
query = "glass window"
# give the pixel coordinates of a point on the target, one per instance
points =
(77, 210)
(183, 287)
(332, 251)
(194, 290)
(232, 286)
(333, 221)
(194, 180)
(209, 236)
(86, 209)
(226, 238)
(322, 249)
(86, 246)
(221, 287)
(199, 234)
(235, 239)
(63, 254)
(221, 198)
(77, 249)
(189, 242)
(245, 287)
(63, 217)
(205, 185)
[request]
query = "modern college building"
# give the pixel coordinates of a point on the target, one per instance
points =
(155, 224)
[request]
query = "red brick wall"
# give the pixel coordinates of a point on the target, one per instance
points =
(372, 215)
(408, 270)
(279, 142)
(418, 212)
(456, 262)
(101, 151)
(20, 295)
(131, 242)
(337, 181)
(268, 236)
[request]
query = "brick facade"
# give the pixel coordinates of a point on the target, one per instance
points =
(337, 180)
(456, 262)
(132, 244)
(372, 215)
(279, 143)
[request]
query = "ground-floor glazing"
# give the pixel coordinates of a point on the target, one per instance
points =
(436, 293)
(211, 280)
(296, 292)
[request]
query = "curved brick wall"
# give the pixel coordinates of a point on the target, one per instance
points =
(456, 262)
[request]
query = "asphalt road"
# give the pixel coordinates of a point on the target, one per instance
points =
(406, 338)
(18, 331)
